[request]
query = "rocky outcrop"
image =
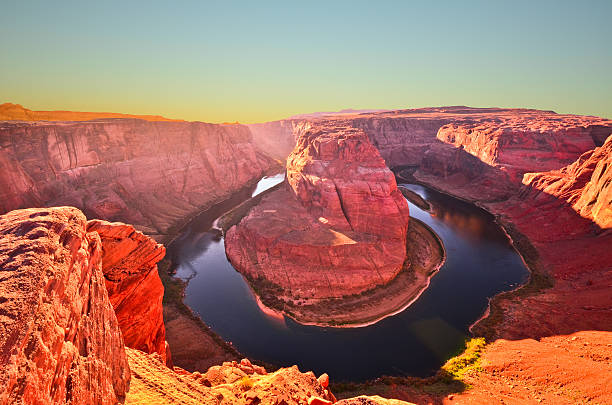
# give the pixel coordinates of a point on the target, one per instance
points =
(565, 369)
(134, 288)
(150, 174)
(336, 228)
(586, 184)
(60, 341)
(229, 383)
(523, 142)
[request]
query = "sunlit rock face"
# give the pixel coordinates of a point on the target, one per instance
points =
(150, 174)
(586, 184)
(129, 264)
(60, 341)
(337, 227)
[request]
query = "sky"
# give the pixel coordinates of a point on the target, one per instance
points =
(257, 61)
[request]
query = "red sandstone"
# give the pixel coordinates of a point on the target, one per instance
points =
(135, 290)
(338, 227)
(150, 174)
(59, 338)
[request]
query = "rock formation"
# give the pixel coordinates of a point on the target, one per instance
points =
(586, 184)
(230, 383)
(134, 288)
(337, 227)
(150, 174)
(59, 337)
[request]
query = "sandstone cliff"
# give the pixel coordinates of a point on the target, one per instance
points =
(134, 288)
(336, 228)
(59, 338)
(150, 174)
(586, 184)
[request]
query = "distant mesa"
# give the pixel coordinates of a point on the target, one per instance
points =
(17, 112)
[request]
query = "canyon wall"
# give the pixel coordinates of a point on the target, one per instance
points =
(337, 227)
(60, 341)
(277, 138)
(517, 164)
(151, 174)
(586, 184)
(134, 288)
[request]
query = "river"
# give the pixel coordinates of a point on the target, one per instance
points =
(480, 263)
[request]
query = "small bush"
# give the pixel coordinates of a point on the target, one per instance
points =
(245, 383)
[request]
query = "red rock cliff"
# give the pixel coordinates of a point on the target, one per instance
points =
(150, 174)
(59, 338)
(134, 288)
(337, 227)
(586, 184)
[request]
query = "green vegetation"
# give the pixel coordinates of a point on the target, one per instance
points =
(448, 380)
(245, 383)
(468, 361)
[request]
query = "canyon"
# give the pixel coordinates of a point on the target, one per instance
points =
(72, 285)
(151, 174)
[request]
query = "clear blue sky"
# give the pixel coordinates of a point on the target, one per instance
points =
(264, 60)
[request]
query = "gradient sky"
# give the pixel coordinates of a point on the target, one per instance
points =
(258, 61)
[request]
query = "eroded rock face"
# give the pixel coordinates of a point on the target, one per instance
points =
(129, 264)
(337, 227)
(60, 341)
(586, 184)
(337, 175)
(150, 174)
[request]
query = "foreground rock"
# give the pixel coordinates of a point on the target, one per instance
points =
(566, 369)
(59, 336)
(150, 174)
(135, 290)
(336, 228)
(230, 383)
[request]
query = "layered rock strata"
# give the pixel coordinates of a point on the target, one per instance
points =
(134, 288)
(60, 341)
(336, 228)
(586, 184)
(150, 174)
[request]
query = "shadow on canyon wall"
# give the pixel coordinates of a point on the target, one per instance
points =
(569, 255)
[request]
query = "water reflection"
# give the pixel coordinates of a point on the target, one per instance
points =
(480, 263)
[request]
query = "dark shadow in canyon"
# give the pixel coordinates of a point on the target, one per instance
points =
(568, 255)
